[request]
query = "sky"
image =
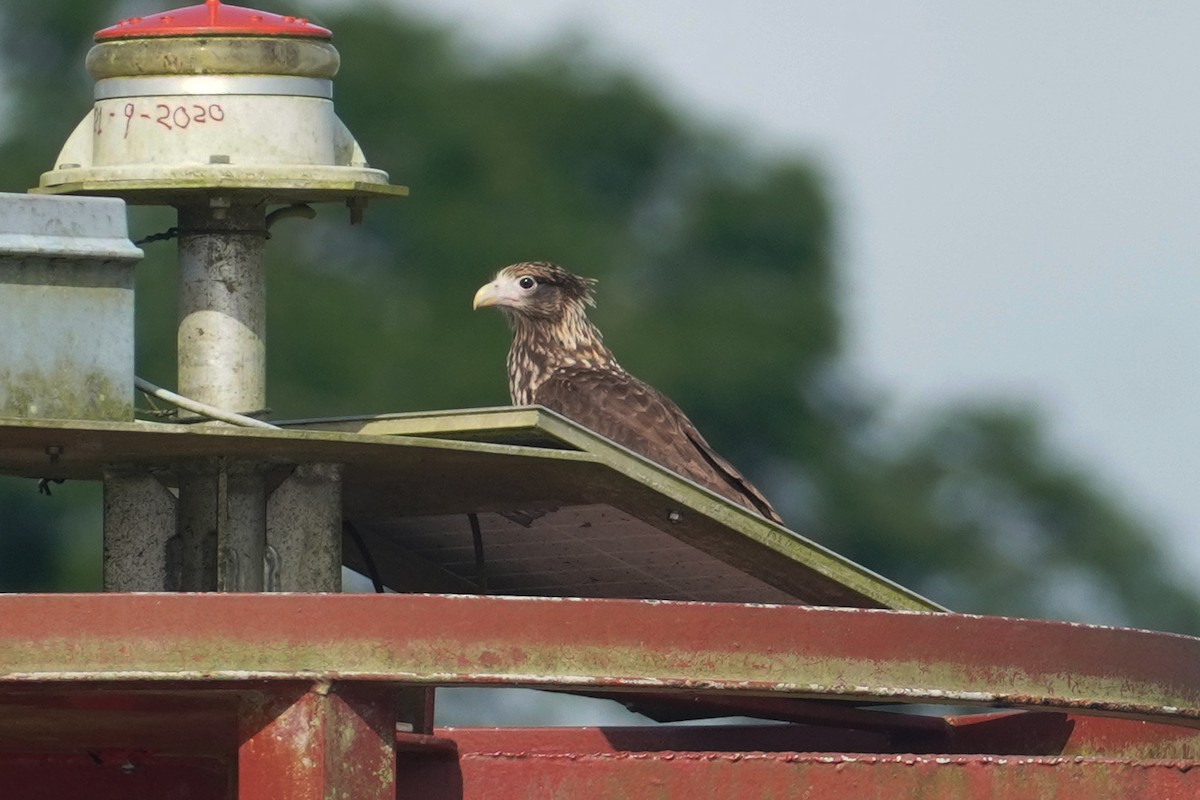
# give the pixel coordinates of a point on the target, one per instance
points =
(1017, 187)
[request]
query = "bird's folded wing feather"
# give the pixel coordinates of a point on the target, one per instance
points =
(633, 414)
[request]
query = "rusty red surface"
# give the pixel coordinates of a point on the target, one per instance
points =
(719, 776)
(297, 696)
(107, 775)
(1051, 733)
(317, 744)
(860, 655)
(1017, 733)
(520, 764)
(839, 726)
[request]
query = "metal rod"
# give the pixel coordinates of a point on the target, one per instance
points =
(480, 562)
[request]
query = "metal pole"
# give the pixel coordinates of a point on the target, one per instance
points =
(222, 362)
(223, 306)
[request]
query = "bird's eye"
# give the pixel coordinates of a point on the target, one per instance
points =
(527, 282)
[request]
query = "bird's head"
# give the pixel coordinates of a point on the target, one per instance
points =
(536, 290)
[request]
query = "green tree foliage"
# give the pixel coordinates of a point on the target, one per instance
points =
(46, 542)
(717, 282)
(975, 508)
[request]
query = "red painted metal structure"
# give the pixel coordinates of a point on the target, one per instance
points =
(314, 696)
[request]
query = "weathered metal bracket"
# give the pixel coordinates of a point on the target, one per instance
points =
(141, 548)
(304, 531)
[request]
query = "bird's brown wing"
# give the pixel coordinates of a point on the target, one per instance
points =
(633, 414)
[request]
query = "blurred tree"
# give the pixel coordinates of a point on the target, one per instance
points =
(975, 508)
(718, 284)
(46, 542)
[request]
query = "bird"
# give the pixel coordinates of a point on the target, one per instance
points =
(558, 360)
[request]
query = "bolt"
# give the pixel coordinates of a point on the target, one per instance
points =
(220, 205)
(675, 516)
(54, 451)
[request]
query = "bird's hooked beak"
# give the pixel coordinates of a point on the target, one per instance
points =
(500, 292)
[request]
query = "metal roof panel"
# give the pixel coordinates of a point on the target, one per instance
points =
(562, 511)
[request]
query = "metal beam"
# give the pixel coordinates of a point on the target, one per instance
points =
(847, 654)
(506, 775)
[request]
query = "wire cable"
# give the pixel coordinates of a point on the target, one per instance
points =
(372, 570)
(480, 563)
(203, 409)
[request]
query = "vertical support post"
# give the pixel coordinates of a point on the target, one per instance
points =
(222, 362)
(141, 552)
(241, 527)
(198, 523)
(304, 531)
(222, 526)
(328, 743)
(223, 306)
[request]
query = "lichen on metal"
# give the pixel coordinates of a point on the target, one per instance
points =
(860, 656)
(66, 285)
(63, 390)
